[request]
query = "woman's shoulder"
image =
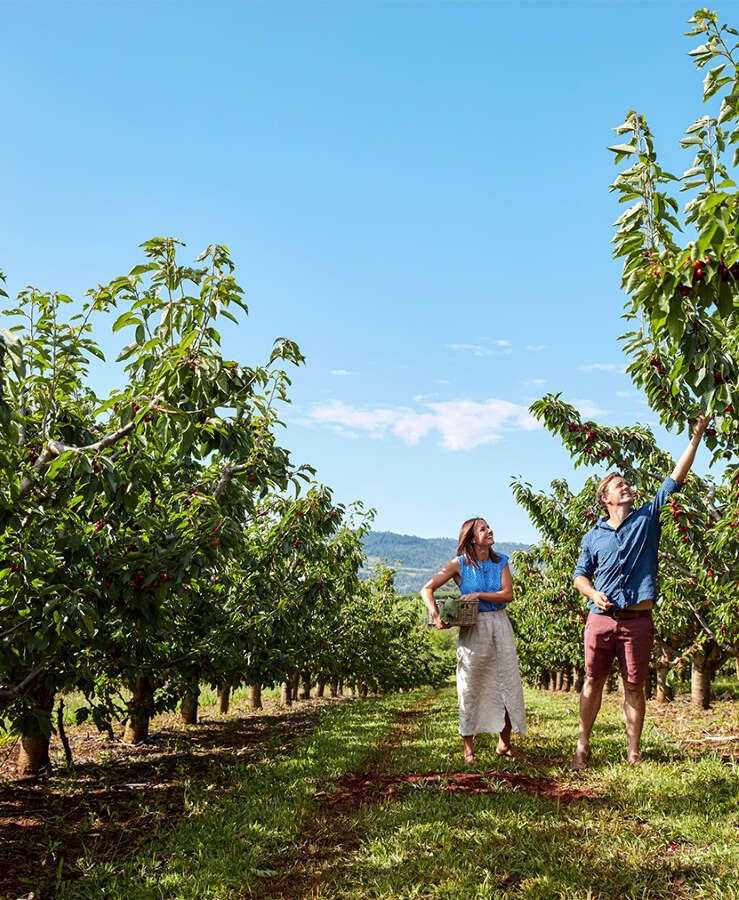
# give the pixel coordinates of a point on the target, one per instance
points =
(502, 560)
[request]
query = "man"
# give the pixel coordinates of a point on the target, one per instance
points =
(620, 551)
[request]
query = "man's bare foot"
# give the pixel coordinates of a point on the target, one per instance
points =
(633, 758)
(581, 759)
(469, 758)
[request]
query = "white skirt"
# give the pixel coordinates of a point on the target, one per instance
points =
(488, 677)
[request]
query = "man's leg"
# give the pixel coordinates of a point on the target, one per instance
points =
(634, 707)
(590, 699)
(634, 640)
(600, 642)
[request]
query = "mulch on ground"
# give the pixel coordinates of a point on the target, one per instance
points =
(354, 791)
(119, 794)
(699, 731)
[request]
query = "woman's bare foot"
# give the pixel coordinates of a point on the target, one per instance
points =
(469, 753)
(503, 750)
(633, 757)
(581, 759)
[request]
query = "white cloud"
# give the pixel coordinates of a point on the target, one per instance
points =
(588, 408)
(462, 424)
(499, 347)
(535, 348)
(474, 349)
(626, 394)
(603, 367)
(339, 372)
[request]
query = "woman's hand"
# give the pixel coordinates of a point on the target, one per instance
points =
(470, 596)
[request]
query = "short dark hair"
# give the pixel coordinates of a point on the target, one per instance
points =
(600, 491)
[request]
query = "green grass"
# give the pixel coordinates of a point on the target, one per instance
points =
(230, 836)
(667, 829)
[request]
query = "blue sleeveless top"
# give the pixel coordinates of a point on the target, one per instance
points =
(486, 578)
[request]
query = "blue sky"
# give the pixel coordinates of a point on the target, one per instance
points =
(415, 192)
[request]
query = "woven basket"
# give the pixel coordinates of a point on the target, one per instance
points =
(466, 613)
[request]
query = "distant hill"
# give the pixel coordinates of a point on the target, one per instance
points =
(416, 559)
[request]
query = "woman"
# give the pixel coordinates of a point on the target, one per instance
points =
(488, 679)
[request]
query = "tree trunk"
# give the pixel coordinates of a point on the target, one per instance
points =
(350, 690)
(286, 697)
(578, 675)
(648, 685)
(254, 697)
(551, 680)
(363, 690)
(294, 685)
(305, 685)
(341, 687)
(224, 697)
(567, 680)
(320, 688)
(558, 680)
(33, 757)
(664, 691)
(189, 705)
(63, 734)
(701, 674)
(333, 688)
(137, 725)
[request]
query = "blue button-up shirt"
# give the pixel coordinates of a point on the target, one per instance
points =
(624, 559)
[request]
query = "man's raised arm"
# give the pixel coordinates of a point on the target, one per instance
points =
(680, 472)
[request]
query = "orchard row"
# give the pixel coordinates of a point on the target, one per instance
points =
(160, 538)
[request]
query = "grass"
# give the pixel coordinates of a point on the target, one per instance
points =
(231, 832)
(667, 829)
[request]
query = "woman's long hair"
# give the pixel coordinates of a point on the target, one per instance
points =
(466, 543)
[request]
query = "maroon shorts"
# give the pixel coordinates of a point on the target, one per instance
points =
(631, 640)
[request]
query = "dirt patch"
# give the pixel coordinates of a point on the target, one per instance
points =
(119, 794)
(407, 715)
(699, 731)
(354, 791)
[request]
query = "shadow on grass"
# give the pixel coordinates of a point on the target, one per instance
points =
(503, 844)
(108, 806)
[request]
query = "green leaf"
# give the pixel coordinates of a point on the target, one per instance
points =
(622, 148)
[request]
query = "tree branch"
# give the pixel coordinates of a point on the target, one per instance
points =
(56, 448)
(15, 628)
(715, 514)
(10, 693)
(727, 648)
(226, 476)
